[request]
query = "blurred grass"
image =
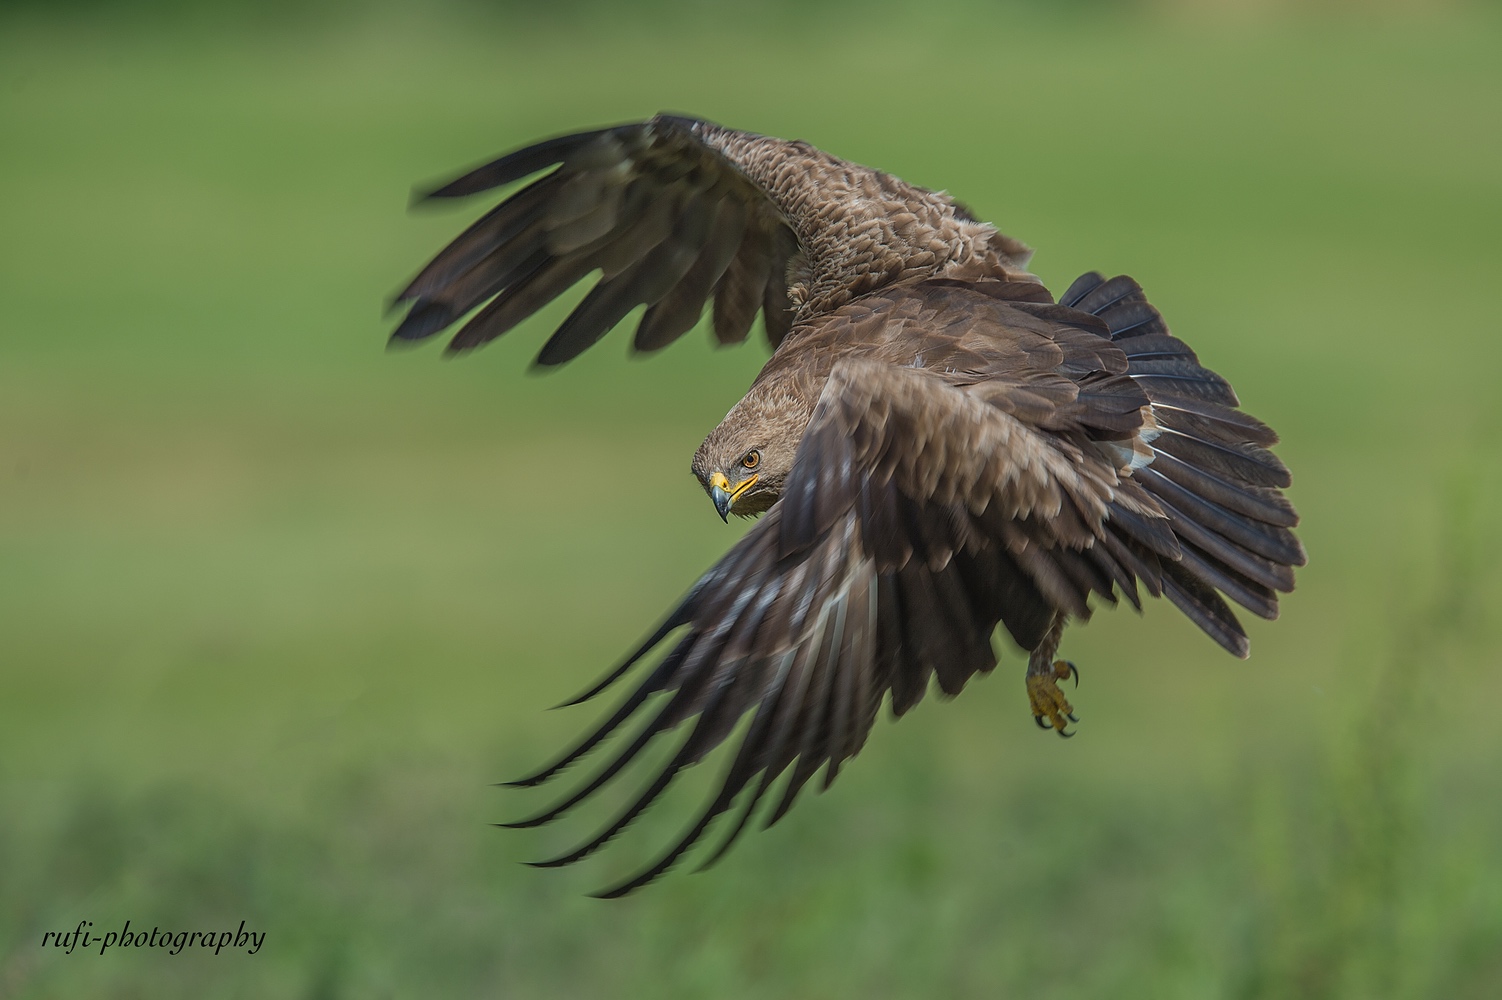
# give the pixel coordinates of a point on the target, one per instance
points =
(277, 605)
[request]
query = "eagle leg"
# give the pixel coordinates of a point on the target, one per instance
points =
(1043, 676)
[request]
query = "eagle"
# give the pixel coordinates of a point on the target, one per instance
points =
(938, 447)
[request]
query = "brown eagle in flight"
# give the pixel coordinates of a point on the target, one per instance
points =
(937, 444)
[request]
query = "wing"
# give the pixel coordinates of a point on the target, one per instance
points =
(666, 220)
(917, 516)
(1206, 465)
(1102, 369)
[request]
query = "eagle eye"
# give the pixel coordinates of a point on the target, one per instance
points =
(752, 459)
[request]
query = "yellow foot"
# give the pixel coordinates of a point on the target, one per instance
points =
(1048, 701)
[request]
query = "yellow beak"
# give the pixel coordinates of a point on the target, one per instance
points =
(723, 496)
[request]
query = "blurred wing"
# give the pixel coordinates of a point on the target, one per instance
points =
(916, 517)
(666, 220)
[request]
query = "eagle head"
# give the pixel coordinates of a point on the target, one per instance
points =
(744, 462)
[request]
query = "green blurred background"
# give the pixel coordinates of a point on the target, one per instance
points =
(277, 606)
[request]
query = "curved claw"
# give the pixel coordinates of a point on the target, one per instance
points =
(1067, 736)
(1065, 669)
(1050, 707)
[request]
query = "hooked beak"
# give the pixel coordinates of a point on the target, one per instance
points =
(722, 495)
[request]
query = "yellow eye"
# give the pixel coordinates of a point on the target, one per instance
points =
(752, 459)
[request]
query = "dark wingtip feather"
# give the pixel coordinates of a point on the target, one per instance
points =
(395, 343)
(1203, 606)
(421, 197)
(525, 824)
(615, 893)
(735, 831)
(680, 616)
(624, 711)
(513, 166)
(539, 777)
(802, 771)
(623, 889)
(629, 886)
(530, 781)
(565, 860)
(663, 864)
(609, 833)
(422, 321)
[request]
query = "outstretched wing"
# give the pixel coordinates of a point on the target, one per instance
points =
(666, 220)
(918, 515)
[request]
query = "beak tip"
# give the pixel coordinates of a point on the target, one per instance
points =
(722, 501)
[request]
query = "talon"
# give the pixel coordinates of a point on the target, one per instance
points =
(1049, 703)
(1064, 669)
(1067, 736)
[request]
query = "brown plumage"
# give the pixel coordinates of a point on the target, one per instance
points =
(938, 446)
